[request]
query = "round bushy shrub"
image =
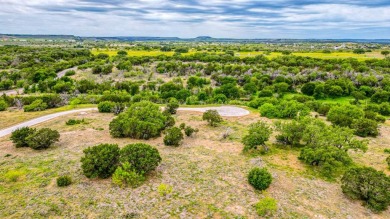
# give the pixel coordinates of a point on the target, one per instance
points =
(142, 120)
(100, 160)
(365, 127)
(63, 181)
(189, 131)
(212, 117)
(173, 137)
(259, 178)
(142, 157)
(19, 136)
(369, 185)
(43, 138)
(106, 106)
(344, 115)
(172, 106)
(3, 105)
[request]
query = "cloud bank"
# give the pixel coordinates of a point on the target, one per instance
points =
(191, 18)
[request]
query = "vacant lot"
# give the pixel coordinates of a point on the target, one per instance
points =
(207, 173)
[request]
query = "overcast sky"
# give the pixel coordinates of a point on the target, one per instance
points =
(190, 18)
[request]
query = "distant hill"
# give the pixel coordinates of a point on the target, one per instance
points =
(199, 38)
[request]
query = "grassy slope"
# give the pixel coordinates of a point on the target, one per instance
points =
(208, 176)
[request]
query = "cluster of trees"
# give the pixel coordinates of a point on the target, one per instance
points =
(128, 166)
(33, 138)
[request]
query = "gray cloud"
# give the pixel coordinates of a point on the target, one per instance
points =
(190, 18)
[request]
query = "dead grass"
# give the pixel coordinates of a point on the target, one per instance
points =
(14, 116)
(208, 176)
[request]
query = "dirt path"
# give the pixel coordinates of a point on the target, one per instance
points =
(222, 110)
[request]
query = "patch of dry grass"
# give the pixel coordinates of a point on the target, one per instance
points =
(207, 175)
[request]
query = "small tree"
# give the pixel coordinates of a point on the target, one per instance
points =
(173, 137)
(369, 185)
(385, 53)
(106, 106)
(142, 120)
(19, 136)
(212, 117)
(3, 105)
(259, 178)
(259, 133)
(63, 181)
(172, 106)
(189, 131)
(43, 138)
(100, 160)
(142, 157)
(365, 127)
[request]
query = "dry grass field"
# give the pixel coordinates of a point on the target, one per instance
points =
(207, 174)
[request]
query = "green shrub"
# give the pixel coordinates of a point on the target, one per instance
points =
(259, 133)
(142, 157)
(63, 181)
(266, 207)
(182, 126)
(388, 161)
(189, 131)
(212, 117)
(369, 185)
(126, 175)
(269, 110)
(344, 115)
(70, 73)
(100, 160)
(37, 105)
(3, 105)
(19, 136)
(172, 106)
(259, 178)
(75, 121)
(173, 137)
(106, 106)
(42, 139)
(365, 127)
(142, 120)
(329, 159)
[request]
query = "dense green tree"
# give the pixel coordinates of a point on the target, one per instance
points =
(100, 160)
(173, 136)
(259, 133)
(142, 157)
(142, 120)
(368, 185)
(344, 115)
(43, 138)
(19, 136)
(212, 117)
(259, 178)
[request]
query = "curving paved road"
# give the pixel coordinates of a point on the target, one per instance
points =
(38, 120)
(222, 110)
